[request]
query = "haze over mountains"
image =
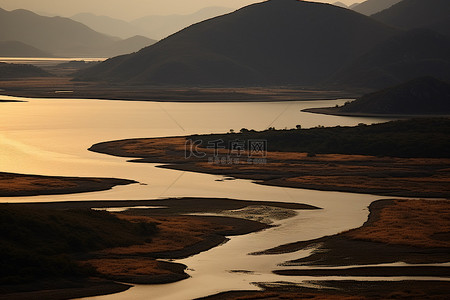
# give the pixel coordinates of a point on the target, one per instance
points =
(282, 42)
(62, 37)
(152, 26)
(410, 14)
(19, 49)
(274, 42)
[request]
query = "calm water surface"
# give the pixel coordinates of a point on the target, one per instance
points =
(51, 137)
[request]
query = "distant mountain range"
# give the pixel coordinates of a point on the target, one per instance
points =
(108, 25)
(19, 49)
(274, 42)
(153, 26)
(62, 36)
(420, 96)
(371, 7)
(410, 14)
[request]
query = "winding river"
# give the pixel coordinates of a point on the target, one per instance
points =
(51, 137)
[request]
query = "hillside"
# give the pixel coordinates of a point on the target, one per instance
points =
(274, 42)
(406, 56)
(425, 95)
(8, 71)
(371, 7)
(409, 14)
(131, 44)
(56, 35)
(18, 49)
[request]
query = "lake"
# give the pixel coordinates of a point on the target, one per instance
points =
(51, 137)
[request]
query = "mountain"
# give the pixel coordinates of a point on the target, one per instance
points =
(371, 7)
(270, 43)
(8, 71)
(153, 26)
(408, 55)
(109, 26)
(56, 35)
(136, 42)
(425, 95)
(340, 4)
(18, 49)
(410, 14)
(160, 27)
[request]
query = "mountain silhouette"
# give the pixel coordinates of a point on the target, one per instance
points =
(371, 7)
(108, 25)
(273, 42)
(410, 14)
(426, 95)
(159, 27)
(58, 36)
(340, 4)
(408, 55)
(18, 49)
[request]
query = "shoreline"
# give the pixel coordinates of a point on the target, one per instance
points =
(350, 254)
(364, 174)
(64, 87)
(179, 236)
(74, 289)
(343, 289)
(333, 111)
(377, 241)
(23, 185)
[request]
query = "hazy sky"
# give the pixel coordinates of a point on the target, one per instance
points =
(127, 9)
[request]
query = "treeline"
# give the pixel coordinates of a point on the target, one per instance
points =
(40, 244)
(428, 137)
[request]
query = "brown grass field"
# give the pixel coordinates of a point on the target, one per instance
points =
(45, 87)
(405, 177)
(12, 185)
(417, 223)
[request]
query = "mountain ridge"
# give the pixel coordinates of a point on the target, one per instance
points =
(371, 7)
(211, 52)
(405, 56)
(56, 35)
(411, 14)
(19, 49)
(420, 96)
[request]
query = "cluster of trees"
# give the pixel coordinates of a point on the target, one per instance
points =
(428, 137)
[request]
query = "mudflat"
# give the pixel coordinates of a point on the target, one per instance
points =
(12, 185)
